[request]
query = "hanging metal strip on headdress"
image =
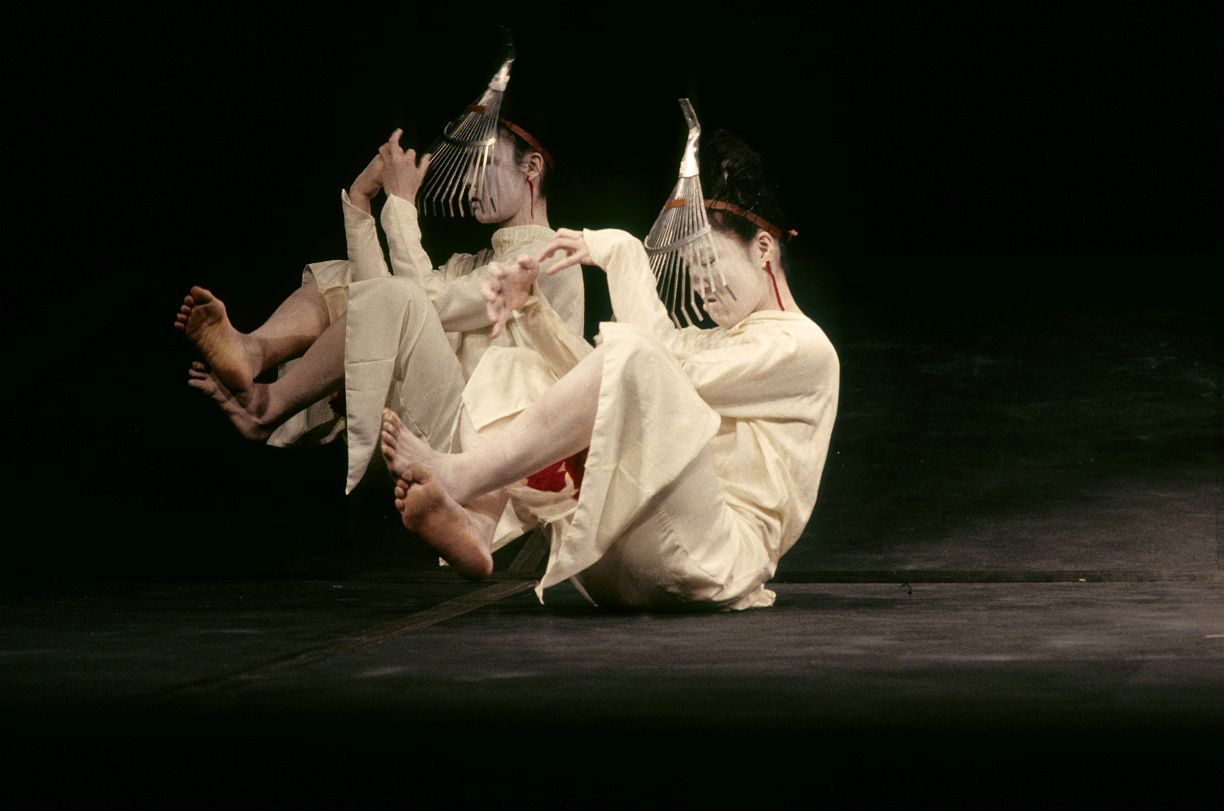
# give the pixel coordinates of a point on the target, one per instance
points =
(679, 244)
(458, 172)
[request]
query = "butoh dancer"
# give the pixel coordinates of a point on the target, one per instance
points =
(703, 447)
(406, 340)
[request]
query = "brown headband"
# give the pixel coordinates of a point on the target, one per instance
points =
(764, 225)
(530, 139)
(520, 132)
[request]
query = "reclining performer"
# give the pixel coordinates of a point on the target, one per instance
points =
(703, 447)
(406, 341)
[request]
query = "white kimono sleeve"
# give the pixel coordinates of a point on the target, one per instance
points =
(364, 253)
(538, 327)
(631, 284)
(741, 367)
(748, 368)
(457, 298)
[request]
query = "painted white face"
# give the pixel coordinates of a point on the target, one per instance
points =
(505, 191)
(746, 286)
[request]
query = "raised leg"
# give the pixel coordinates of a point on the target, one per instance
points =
(237, 358)
(259, 409)
(292, 328)
(556, 427)
(453, 501)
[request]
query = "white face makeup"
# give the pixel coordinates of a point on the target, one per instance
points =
(505, 191)
(746, 286)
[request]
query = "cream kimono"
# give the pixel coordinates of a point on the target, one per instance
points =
(414, 337)
(707, 449)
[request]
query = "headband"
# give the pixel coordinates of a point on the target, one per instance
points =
(530, 139)
(764, 225)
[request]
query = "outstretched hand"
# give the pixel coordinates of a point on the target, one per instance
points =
(507, 289)
(572, 247)
(402, 174)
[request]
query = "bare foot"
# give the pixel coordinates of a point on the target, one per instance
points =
(401, 448)
(244, 409)
(429, 511)
(231, 354)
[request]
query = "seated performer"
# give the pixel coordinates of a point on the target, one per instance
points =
(407, 341)
(703, 447)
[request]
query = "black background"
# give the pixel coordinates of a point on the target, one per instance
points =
(992, 165)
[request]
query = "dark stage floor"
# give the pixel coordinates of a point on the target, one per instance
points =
(1015, 560)
(1010, 592)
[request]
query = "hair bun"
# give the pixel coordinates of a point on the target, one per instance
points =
(735, 173)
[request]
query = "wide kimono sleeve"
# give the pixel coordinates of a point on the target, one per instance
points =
(364, 253)
(759, 360)
(631, 284)
(538, 327)
(729, 367)
(567, 296)
(456, 297)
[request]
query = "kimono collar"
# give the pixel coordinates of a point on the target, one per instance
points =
(517, 237)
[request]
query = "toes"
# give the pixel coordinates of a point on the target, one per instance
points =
(391, 420)
(415, 474)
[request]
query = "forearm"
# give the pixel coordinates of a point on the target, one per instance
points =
(631, 284)
(408, 256)
(538, 327)
(360, 202)
(361, 235)
(460, 302)
(567, 296)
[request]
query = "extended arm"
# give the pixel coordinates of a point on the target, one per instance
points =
(631, 284)
(364, 253)
(401, 179)
(747, 364)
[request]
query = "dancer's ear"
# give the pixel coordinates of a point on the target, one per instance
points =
(766, 247)
(533, 167)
